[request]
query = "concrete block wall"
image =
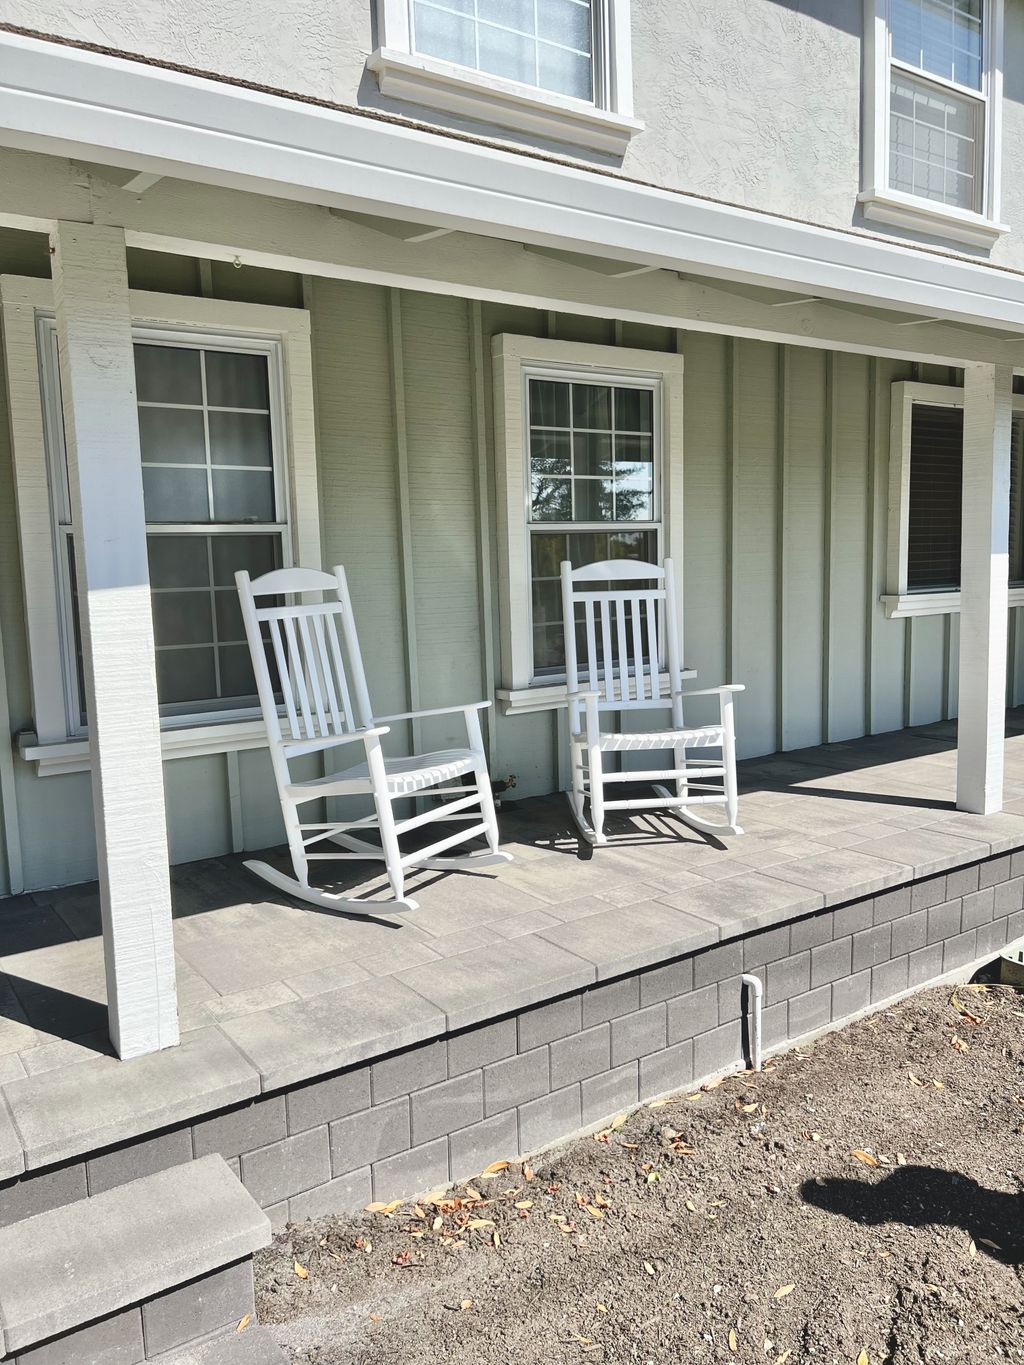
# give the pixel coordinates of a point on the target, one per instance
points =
(442, 1110)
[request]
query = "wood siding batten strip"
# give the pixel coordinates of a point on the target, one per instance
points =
(872, 586)
(827, 555)
(404, 508)
(732, 504)
(781, 529)
(8, 791)
(479, 364)
(235, 807)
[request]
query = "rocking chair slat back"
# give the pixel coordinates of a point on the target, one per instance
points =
(627, 633)
(318, 667)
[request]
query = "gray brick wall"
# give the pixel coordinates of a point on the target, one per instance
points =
(411, 1121)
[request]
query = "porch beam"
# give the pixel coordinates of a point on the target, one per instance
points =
(105, 473)
(988, 408)
(187, 218)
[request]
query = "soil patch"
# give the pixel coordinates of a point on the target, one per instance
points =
(861, 1200)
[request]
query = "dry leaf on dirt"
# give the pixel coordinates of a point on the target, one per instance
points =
(496, 1167)
(301, 1271)
(867, 1157)
(863, 1358)
(734, 1344)
(784, 1290)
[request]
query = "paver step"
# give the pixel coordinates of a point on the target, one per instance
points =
(96, 1257)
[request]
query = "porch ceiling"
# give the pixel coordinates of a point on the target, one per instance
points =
(272, 993)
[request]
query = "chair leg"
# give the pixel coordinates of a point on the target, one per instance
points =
(483, 786)
(679, 759)
(597, 796)
(297, 849)
(732, 796)
(389, 842)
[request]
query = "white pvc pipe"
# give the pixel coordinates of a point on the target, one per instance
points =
(753, 984)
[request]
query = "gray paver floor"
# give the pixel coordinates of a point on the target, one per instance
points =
(823, 825)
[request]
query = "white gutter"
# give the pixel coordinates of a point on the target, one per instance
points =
(69, 102)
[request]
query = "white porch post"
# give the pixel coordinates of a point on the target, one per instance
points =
(97, 373)
(984, 574)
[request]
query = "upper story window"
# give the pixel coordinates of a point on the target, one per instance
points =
(559, 70)
(932, 121)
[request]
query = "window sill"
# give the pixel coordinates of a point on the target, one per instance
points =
(934, 603)
(923, 215)
(524, 701)
(187, 741)
(458, 90)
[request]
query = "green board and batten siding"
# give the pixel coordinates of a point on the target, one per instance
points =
(785, 454)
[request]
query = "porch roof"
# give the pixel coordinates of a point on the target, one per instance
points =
(272, 993)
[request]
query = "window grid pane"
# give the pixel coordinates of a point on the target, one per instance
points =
(548, 44)
(942, 37)
(187, 439)
(935, 143)
(202, 654)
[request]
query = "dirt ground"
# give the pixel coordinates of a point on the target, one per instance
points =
(860, 1202)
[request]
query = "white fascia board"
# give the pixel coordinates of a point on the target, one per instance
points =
(68, 102)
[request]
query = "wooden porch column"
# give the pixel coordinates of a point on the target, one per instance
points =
(97, 373)
(984, 572)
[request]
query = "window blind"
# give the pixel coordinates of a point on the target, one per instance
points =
(936, 476)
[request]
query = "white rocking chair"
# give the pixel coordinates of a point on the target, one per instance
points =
(625, 632)
(327, 707)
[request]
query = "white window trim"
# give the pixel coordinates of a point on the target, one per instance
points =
(885, 205)
(897, 600)
(606, 125)
(513, 357)
(53, 746)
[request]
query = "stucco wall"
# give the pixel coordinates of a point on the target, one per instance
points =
(756, 102)
(785, 475)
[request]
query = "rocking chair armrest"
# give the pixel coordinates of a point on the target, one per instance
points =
(589, 697)
(712, 691)
(438, 711)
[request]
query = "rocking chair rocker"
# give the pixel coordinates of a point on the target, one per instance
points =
(326, 706)
(624, 630)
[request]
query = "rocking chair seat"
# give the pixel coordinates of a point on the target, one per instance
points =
(695, 737)
(405, 776)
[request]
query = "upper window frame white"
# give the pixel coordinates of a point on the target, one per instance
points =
(883, 204)
(515, 359)
(605, 124)
(898, 600)
(56, 744)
